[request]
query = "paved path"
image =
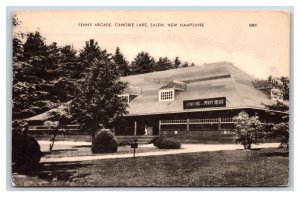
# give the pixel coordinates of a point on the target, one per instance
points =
(186, 148)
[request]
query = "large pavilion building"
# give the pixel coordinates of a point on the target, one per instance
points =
(193, 103)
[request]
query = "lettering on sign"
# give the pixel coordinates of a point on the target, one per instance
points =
(204, 103)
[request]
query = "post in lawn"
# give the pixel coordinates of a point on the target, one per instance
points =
(134, 145)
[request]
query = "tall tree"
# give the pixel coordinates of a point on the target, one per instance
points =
(163, 64)
(97, 102)
(35, 45)
(91, 51)
(282, 84)
(121, 63)
(285, 87)
(71, 72)
(185, 64)
(22, 86)
(143, 63)
(176, 63)
(34, 77)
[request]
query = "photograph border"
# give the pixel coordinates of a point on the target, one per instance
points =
(9, 11)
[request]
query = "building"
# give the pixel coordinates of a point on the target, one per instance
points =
(192, 103)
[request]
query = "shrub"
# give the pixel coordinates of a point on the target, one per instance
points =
(167, 143)
(247, 129)
(282, 130)
(104, 142)
(26, 153)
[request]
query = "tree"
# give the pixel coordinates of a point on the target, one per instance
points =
(97, 103)
(176, 63)
(163, 64)
(70, 66)
(247, 129)
(282, 130)
(35, 45)
(278, 106)
(185, 64)
(53, 128)
(57, 122)
(143, 63)
(285, 87)
(121, 63)
(282, 84)
(91, 51)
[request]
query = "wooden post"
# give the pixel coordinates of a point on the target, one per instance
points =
(135, 127)
(188, 125)
(159, 127)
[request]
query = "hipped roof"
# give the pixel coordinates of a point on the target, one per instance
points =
(221, 79)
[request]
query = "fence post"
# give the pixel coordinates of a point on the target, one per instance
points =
(159, 127)
(135, 127)
(188, 125)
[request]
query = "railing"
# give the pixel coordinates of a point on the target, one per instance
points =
(46, 128)
(198, 121)
(173, 121)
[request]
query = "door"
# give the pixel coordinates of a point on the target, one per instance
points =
(149, 131)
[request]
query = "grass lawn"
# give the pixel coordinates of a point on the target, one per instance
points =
(261, 167)
(85, 150)
(74, 138)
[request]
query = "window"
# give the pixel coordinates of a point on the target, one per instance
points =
(125, 97)
(166, 95)
(128, 97)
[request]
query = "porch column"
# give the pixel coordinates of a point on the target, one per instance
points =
(135, 127)
(187, 125)
(159, 127)
(219, 125)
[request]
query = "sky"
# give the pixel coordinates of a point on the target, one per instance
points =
(257, 42)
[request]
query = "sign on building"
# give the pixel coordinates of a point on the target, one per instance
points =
(204, 103)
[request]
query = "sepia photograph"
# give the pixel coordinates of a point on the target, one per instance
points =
(150, 98)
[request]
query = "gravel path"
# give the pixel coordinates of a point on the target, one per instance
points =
(186, 148)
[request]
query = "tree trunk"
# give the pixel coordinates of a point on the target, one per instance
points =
(53, 140)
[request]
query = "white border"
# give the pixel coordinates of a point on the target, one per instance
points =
(177, 192)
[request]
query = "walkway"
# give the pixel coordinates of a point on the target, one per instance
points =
(186, 148)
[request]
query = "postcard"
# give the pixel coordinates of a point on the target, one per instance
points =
(150, 98)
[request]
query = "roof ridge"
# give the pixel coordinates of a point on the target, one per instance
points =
(202, 66)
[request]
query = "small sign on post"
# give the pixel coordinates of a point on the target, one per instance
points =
(134, 145)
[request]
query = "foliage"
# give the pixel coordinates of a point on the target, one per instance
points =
(26, 152)
(104, 142)
(282, 130)
(57, 122)
(281, 83)
(143, 63)
(97, 102)
(44, 76)
(19, 126)
(121, 63)
(278, 106)
(167, 143)
(34, 74)
(248, 129)
(176, 63)
(163, 64)
(47, 75)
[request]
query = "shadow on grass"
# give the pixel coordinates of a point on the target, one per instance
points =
(82, 146)
(276, 154)
(256, 149)
(56, 152)
(59, 171)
